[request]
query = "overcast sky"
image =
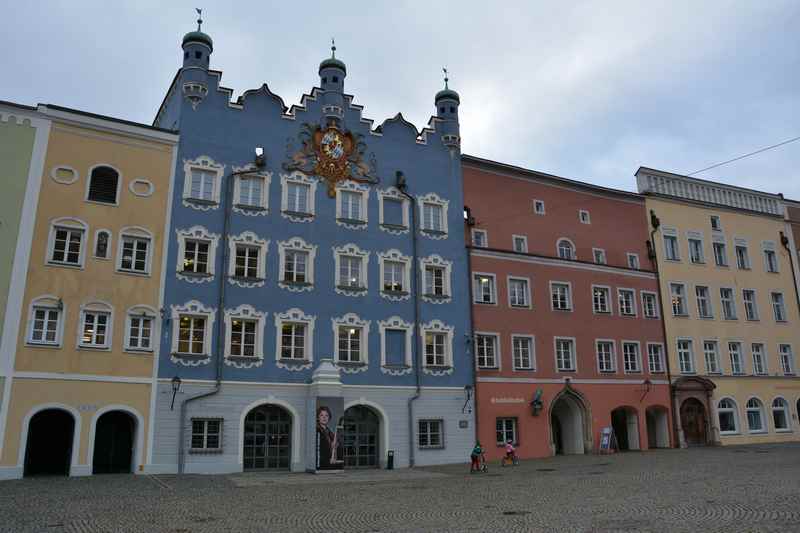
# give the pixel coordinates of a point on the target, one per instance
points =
(590, 92)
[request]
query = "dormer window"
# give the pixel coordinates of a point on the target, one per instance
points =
(103, 185)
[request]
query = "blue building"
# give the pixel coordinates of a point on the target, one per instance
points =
(316, 310)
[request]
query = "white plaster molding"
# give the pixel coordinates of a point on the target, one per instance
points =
(262, 209)
(395, 322)
(246, 312)
(437, 261)
(352, 320)
(297, 177)
(197, 309)
(64, 181)
(295, 315)
(433, 198)
(202, 234)
(393, 193)
(142, 181)
(205, 163)
(352, 250)
(250, 239)
(437, 326)
(363, 191)
(395, 255)
(296, 244)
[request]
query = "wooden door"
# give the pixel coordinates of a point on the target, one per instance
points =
(693, 422)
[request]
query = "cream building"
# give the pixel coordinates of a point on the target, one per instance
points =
(87, 311)
(730, 309)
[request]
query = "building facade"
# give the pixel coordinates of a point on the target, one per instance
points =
(315, 265)
(81, 345)
(568, 337)
(731, 313)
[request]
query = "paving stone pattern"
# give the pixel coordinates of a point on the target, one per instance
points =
(744, 488)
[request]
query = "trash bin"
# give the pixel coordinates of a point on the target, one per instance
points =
(390, 460)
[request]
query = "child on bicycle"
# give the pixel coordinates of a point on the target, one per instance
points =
(475, 457)
(510, 452)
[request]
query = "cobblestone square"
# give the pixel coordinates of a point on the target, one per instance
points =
(741, 488)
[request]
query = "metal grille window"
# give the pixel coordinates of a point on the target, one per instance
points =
(650, 305)
(349, 344)
(203, 184)
(506, 429)
(485, 350)
(432, 217)
(770, 261)
(393, 276)
(711, 354)
(523, 350)
(434, 280)
(484, 289)
(251, 191)
(627, 302)
(103, 185)
(759, 366)
(755, 415)
(685, 356)
(350, 271)
(777, 307)
(728, 304)
(195, 256)
(696, 251)
(605, 356)
(565, 355)
(435, 346)
(134, 254)
(630, 357)
(191, 335)
(351, 205)
(787, 359)
(561, 296)
(140, 330)
(44, 329)
(293, 341)
(703, 302)
(206, 434)
(297, 198)
(735, 351)
(518, 292)
(655, 358)
(67, 246)
(678, 294)
(246, 261)
(720, 254)
(750, 306)
(243, 337)
(430, 434)
(95, 329)
(295, 266)
(742, 258)
(671, 248)
(600, 300)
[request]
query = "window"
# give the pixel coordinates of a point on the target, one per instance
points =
(433, 211)
(728, 304)
(655, 358)
(95, 326)
(196, 254)
(296, 264)
(350, 264)
(438, 339)
(633, 261)
(293, 341)
(538, 207)
(780, 415)
(522, 347)
(778, 308)
(715, 224)
(244, 331)
(139, 331)
(566, 250)
(192, 335)
(206, 434)
(561, 296)
(484, 288)
(436, 279)
(605, 356)
(710, 351)
(696, 251)
(349, 344)
(770, 261)
(759, 359)
(506, 431)
(251, 194)
(351, 205)
(750, 306)
(486, 350)
(435, 349)
(103, 185)
(297, 197)
(295, 267)
(395, 346)
(678, 295)
(45, 325)
(671, 248)
(787, 359)
(735, 351)
(350, 271)
(565, 354)
(243, 338)
(755, 416)
(599, 256)
(518, 292)
(393, 211)
(102, 244)
(201, 183)
(520, 244)
(395, 276)
(726, 409)
(649, 304)
(742, 257)
(583, 216)
(352, 201)
(685, 356)
(630, 357)
(480, 238)
(134, 250)
(195, 258)
(627, 302)
(430, 433)
(601, 299)
(720, 254)
(703, 302)
(248, 258)
(65, 244)
(191, 326)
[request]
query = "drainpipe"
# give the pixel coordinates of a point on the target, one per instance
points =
(471, 335)
(402, 186)
(785, 243)
(228, 199)
(653, 255)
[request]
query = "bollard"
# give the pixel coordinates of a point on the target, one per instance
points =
(390, 460)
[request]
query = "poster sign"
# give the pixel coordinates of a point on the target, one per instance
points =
(329, 434)
(606, 438)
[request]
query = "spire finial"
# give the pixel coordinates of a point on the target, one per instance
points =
(446, 79)
(199, 17)
(333, 48)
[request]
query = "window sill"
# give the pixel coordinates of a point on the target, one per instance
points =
(245, 279)
(436, 296)
(723, 266)
(89, 348)
(651, 317)
(512, 306)
(758, 432)
(608, 372)
(485, 303)
(488, 367)
(253, 208)
(244, 357)
(199, 201)
(101, 258)
(205, 451)
(753, 320)
(396, 367)
(133, 273)
(351, 364)
(699, 263)
(100, 202)
(629, 372)
(627, 315)
(135, 351)
(787, 430)
(437, 367)
(431, 447)
(395, 293)
(41, 345)
(291, 361)
(198, 275)
(394, 227)
(728, 433)
(65, 265)
(657, 372)
(190, 355)
(350, 288)
(562, 310)
(436, 232)
(602, 312)
(524, 369)
(351, 221)
(569, 370)
(705, 318)
(298, 214)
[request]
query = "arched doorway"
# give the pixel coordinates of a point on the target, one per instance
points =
(625, 421)
(267, 438)
(568, 424)
(693, 422)
(361, 430)
(113, 443)
(657, 427)
(49, 447)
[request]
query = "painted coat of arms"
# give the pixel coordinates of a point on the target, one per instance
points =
(332, 155)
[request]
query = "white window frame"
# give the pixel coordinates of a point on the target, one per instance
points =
(717, 363)
(89, 184)
(698, 237)
(140, 233)
(351, 250)
(296, 244)
(353, 321)
(673, 234)
(514, 430)
(764, 359)
(109, 244)
(71, 224)
(523, 240)
(633, 260)
(475, 232)
(734, 310)
(433, 198)
(685, 298)
(393, 193)
(787, 415)
(47, 302)
(435, 260)
(245, 312)
(351, 186)
(769, 246)
(396, 256)
(662, 365)
(99, 308)
(656, 309)
(492, 284)
(742, 243)
(202, 234)
(260, 209)
(204, 163)
(439, 430)
(609, 303)
(301, 179)
(584, 217)
(536, 204)
(742, 364)
(531, 355)
(756, 315)
(574, 354)
(496, 343)
(437, 326)
(206, 448)
(786, 371)
(396, 323)
(734, 412)
(762, 415)
(720, 240)
(195, 309)
(247, 238)
(632, 292)
(775, 307)
(527, 293)
(603, 260)
(295, 316)
(569, 296)
(692, 362)
(709, 303)
(718, 224)
(638, 345)
(613, 355)
(573, 252)
(141, 312)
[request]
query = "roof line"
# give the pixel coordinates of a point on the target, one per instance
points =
(111, 119)
(719, 183)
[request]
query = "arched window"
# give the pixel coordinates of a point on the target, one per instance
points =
(566, 250)
(103, 185)
(755, 416)
(728, 419)
(780, 414)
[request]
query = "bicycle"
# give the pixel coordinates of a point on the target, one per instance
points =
(509, 461)
(482, 465)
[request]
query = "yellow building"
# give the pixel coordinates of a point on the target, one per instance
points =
(88, 313)
(730, 309)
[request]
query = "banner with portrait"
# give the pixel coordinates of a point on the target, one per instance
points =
(329, 434)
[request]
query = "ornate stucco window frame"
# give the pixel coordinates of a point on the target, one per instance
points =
(351, 250)
(262, 208)
(395, 322)
(352, 320)
(437, 326)
(296, 316)
(363, 192)
(245, 312)
(192, 308)
(247, 238)
(299, 245)
(205, 163)
(433, 199)
(393, 193)
(435, 260)
(396, 256)
(199, 233)
(302, 179)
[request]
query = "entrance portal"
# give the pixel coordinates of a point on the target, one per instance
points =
(360, 427)
(657, 427)
(267, 438)
(693, 422)
(625, 421)
(567, 423)
(113, 443)
(49, 447)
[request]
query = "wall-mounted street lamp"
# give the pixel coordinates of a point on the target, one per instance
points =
(467, 398)
(537, 404)
(176, 386)
(646, 386)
